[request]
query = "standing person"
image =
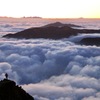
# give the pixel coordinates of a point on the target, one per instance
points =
(6, 75)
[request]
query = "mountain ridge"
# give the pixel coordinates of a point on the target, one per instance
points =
(55, 30)
(10, 91)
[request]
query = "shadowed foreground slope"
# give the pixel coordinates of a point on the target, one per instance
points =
(10, 91)
(51, 31)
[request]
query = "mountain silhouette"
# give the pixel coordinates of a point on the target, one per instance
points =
(51, 31)
(10, 91)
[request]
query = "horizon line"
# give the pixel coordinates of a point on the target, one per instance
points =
(48, 17)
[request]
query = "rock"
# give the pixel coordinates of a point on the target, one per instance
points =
(51, 31)
(10, 91)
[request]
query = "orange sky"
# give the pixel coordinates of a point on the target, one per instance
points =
(51, 8)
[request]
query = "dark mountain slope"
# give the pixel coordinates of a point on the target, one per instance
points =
(10, 91)
(91, 41)
(51, 31)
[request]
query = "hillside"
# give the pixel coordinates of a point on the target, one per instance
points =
(10, 91)
(51, 31)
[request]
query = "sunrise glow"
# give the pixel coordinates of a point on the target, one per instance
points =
(51, 8)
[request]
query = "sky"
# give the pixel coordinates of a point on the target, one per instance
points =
(50, 8)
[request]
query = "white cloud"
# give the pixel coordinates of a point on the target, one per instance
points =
(65, 87)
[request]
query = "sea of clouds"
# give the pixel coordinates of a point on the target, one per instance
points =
(51, 69)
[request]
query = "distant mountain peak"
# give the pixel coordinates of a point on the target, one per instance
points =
(59, 24)
(10, 91)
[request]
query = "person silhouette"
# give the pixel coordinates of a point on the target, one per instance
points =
(6, 75)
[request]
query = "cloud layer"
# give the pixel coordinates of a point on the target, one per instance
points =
(52, 70)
